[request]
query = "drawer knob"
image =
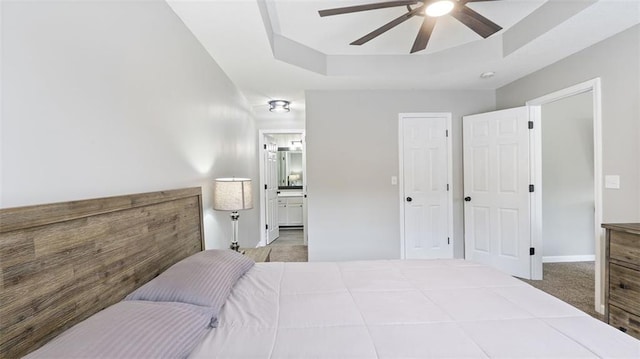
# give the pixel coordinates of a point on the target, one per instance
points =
(623, 329)
(624, 286)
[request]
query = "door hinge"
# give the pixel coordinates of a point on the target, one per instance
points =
(266, 226)
(265, 186)
(446, 133)
(447, 187)
(532, 251)
(448, 240)
(531, 125)
(531, 188)
(265, 146)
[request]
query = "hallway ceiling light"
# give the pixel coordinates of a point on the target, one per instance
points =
(279, 106)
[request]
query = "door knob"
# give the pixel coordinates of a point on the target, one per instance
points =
(409, 199)
(467, 199)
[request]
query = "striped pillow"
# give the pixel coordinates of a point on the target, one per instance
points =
(204, 279)
(132, 329)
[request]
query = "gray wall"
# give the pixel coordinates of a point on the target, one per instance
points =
(567, 177)
(352, 152)
(106, 98)
(293, 120)
(617, 62)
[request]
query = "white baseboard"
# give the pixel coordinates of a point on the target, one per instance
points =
(559, 259)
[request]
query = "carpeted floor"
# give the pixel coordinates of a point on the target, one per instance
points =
(293, 253)
(289, 247)
(573, 283)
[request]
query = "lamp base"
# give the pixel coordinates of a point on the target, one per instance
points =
(236, 247)
(234, 241)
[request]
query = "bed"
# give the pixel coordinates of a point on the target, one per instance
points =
(219, 304)
(402, 309)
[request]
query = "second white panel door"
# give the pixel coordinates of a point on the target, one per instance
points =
(425, 174)
(496, 187)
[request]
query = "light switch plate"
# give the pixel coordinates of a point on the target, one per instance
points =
(612, 181)
(394, 180)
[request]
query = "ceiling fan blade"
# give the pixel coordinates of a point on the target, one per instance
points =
(424, 34)
(476, 22)
(350, 9)
(388, 26)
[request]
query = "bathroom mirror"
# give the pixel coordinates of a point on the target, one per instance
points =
(289, 168)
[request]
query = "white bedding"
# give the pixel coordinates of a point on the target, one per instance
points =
(402, 309)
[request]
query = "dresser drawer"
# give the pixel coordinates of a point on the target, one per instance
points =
(624, 321)
(624, 288)
(624, 247)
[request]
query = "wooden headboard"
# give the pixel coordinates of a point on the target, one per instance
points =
(60, 263)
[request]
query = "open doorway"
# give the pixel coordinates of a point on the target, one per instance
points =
(283, 187)
(567, 162)
(568, 198)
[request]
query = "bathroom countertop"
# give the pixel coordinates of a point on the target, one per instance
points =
(290, 194)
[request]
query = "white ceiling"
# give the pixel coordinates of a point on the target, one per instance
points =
(280, 48)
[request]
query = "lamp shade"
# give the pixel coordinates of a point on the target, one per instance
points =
(232, 194)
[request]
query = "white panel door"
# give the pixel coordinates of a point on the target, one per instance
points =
(496, 187)
(271, 183)
(425, 178)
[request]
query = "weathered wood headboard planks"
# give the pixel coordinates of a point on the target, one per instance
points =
(60, 263)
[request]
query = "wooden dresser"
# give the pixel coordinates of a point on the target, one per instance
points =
(622, 277)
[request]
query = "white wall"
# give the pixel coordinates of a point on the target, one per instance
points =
(107, 98)
(284, 140)
(617, 62)
(293, 120)
(567, 177)
(352, 152)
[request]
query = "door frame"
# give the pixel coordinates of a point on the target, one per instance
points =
(535, 108)
(447, 116)
(262, 165)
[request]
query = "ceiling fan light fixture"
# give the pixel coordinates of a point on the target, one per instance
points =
(439, 8)
(279, 106)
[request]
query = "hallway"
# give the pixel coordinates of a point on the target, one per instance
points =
(289, 246)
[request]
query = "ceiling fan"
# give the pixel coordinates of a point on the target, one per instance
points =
(430, 10)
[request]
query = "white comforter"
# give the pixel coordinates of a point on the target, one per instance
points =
(402, 309)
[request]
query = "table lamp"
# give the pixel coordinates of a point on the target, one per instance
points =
(232, 194)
